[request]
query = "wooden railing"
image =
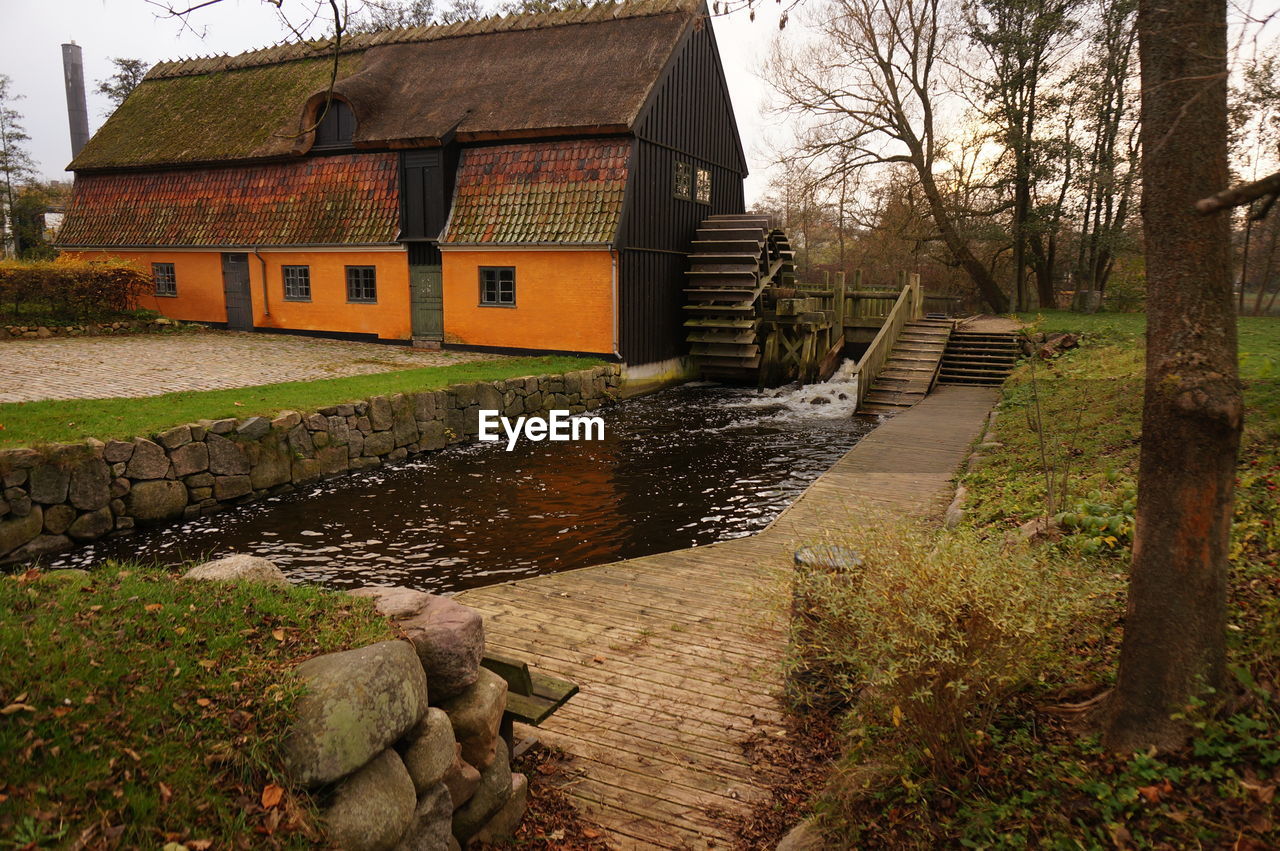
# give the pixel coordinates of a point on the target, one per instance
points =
(908, 305)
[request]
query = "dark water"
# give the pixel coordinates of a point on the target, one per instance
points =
(684, 467)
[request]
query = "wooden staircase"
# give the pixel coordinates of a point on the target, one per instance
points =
(908, 374)
(979, 358)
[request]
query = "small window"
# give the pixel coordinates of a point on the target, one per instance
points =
(297, 283)
(166, 279)
(336, 127)
(362, 284)
(703, 186)
(681, 182)
(498, 286)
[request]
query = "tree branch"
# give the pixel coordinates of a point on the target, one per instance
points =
(1241, 195)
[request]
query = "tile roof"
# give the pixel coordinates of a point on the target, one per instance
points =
(579, 71)
(544, 192)
(339, 200)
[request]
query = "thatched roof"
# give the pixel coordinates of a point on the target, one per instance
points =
(566, 193)
(561, 73)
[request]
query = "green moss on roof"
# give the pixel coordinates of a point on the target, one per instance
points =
(241, 114)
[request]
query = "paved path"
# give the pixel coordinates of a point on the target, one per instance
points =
(678, 654)
(151, 364)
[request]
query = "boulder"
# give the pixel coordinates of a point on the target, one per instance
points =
(432, 825)
(230, 487)
(70, 577)
(448, 636)
(476, 715)
(379, 443)
(429, 749)
(226, 458)
(358, 703)
(461, 779)
(503, 824)
(48, 483)
(271, 464)
(490, 797)
(42, 546)
(16, 531)
(90, 485)
(190, 459)
(239, 568)
(19, 503)
(372, 808)
(58, 518)
(155, 500)
(253, 428)
(117, 451)
(148, 460)
(91, 526)
(175, 437)
(381, 417)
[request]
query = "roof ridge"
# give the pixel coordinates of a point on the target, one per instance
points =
(606, 10)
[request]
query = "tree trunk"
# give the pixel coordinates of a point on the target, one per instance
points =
(1174, 634)
(979, 274)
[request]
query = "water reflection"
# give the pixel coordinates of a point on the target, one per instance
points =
(684, 467)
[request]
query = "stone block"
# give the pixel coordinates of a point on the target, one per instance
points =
(223, 426)
(379, 443)
(253, 428)
(339, 431)
(16, 531)
(42, 546)
(355, 444)
(502, 825)
(190, 459)
(148, 460)
(226, 457)
(373, 808)
(270, 463)
(14, 478)
(404, 426)
(90, 485)
(58, 518)
(300, 441)
(429, 749)
(462, 395)
(333, 460)
(91, 526)
(381, 416)
(117, 451)
(306, 470)
(461, 779)
(424, 406)
(200, 480)
(317, 422)
(152, 501)
(476, 715)
(357, 704)
(230, 487)
(286, 421)
(490, 797)
(175, 437)
(488, 396)
(431, 829)
(48, 483)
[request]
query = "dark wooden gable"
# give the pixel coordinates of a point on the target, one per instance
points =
(426, 187)
(688, 118)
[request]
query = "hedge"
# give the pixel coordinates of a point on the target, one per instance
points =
(75, 290)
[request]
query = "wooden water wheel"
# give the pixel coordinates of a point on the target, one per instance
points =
(735, 259)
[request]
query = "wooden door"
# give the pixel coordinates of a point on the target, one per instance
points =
(426, 292)
(235, 288)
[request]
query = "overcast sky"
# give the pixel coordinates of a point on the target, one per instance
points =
(30, 54)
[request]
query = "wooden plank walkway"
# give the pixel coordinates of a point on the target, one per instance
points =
(678, 654)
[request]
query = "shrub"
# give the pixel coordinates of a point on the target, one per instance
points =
(69, 290)
(932, 634)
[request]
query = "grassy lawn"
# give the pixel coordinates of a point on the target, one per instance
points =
(65, 421)
(140, 710)
(1024, 766)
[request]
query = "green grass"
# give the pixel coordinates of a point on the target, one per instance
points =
(71, 420)
(1035, 778)
(152, 710)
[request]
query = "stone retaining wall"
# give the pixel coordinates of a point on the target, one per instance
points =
(94, 329)
(57, 497)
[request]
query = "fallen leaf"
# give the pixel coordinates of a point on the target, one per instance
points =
(1150, 793)
(203, 701)
(133, 755)
(590, 834)
(277, 634)
(200, 844)
(271, 795)
(154, 607)
(238, 404)
(599, 660)
(897, 715)
(165, 792)
(17, 707)
(207, 664)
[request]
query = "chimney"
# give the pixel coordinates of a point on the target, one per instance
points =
(77, 111)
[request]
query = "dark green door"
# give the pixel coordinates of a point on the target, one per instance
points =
(426, 293)
(235, 286)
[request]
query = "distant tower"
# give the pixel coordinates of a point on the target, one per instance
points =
(77, 110)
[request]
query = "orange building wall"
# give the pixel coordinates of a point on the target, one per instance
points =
(564, 300)
(200, 298)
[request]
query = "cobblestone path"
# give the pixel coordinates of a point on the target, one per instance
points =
(151, 364)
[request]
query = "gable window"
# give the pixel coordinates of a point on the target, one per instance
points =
(681, 181)
(702, 186)
(362, 284)
(165, 278)
(297, 283)
(498, 286)
(336, 127)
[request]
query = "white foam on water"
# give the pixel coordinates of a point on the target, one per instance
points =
(835, 398)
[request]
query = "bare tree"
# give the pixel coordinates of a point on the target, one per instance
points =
(869, 89)
(1174, 645)
(16, 165)
(129, 73)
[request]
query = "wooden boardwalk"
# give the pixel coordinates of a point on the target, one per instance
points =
(678, 654)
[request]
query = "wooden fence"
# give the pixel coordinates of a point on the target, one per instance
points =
(907, 306)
